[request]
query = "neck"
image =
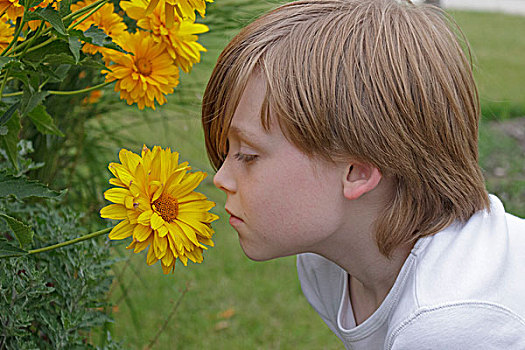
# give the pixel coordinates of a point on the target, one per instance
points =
(371, 272)
(371, 276)
(354, 249)
(368, 289)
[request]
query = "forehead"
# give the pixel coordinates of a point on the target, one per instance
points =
(251, 118)
(247, 116)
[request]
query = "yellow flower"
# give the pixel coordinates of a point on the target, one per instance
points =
(6, 33)
(104, 18)
(11, 8)
(146, 75)
(156, 201)
(180, 39)
(185, 8)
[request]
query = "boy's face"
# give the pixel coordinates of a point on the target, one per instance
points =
(282, 202)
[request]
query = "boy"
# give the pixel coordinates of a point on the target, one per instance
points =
(345, 131)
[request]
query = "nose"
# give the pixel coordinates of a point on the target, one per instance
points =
(224, 180)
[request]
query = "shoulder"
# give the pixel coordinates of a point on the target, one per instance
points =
(461, 325)
(483, 260)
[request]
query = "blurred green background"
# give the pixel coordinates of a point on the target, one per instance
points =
(230, 302)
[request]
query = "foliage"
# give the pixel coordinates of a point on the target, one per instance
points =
(51, 50)
(52, 300)
(53, 57)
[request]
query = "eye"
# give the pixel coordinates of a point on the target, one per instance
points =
(245, 158)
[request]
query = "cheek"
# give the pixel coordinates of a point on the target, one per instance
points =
(294, 202)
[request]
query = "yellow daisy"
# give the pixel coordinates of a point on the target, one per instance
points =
(180, 39)
(156, 201)
(6, 33)
(185, 8)
(105, 18)
(145, 75)
(11, 8)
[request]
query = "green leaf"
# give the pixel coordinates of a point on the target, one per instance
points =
(3, 130)
(43, 121)
(89, 62)
(54, 48)
(9, 142)
(55, 74)
(7, 250)
(65, 8)
(23, 233)
(53, 17)
(9, 113)
(23, 188)
(21, 76)
(31, 99)
(96, 36)
(61, 58)
(4, 60)
(74, 46)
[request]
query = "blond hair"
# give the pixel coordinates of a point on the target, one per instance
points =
(375, 81)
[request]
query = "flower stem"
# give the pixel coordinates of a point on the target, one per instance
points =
(72, 92)
(2, 86)
(28, 43)
(18, 29)
(80, 12)
(12, 94)
(96, 87)
(73, 16)
(33, 48)
(74, 24)
(72, 241)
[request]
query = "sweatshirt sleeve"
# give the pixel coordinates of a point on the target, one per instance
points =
(465, 325)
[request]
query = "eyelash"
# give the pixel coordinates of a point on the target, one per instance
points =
(245, 158)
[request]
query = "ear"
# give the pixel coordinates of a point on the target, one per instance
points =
(360, 178)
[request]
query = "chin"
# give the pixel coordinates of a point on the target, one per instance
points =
(258, 254)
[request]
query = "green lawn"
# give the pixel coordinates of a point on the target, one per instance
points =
(232, 302)
(498, 46)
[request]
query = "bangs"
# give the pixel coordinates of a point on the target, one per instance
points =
(220, 100)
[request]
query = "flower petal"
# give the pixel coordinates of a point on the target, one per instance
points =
(122, 230)
(117, 195)
(114, 211)
(156, 221)
(151, 258)
(145, 217)
(141, 232)
(188, 184)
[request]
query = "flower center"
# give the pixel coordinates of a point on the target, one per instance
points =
(167, 207)
(144, 66)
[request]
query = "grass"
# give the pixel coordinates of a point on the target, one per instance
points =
(232, 302)
(498, 46)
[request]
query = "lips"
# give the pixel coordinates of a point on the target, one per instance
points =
(234, 220)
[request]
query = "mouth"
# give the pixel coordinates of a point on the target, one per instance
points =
(234, 220)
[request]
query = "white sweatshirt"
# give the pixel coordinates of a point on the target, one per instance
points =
(462, 288)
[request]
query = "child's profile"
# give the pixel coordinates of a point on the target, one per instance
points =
(346, 132)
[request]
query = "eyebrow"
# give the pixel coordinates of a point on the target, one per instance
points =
(245, 135)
